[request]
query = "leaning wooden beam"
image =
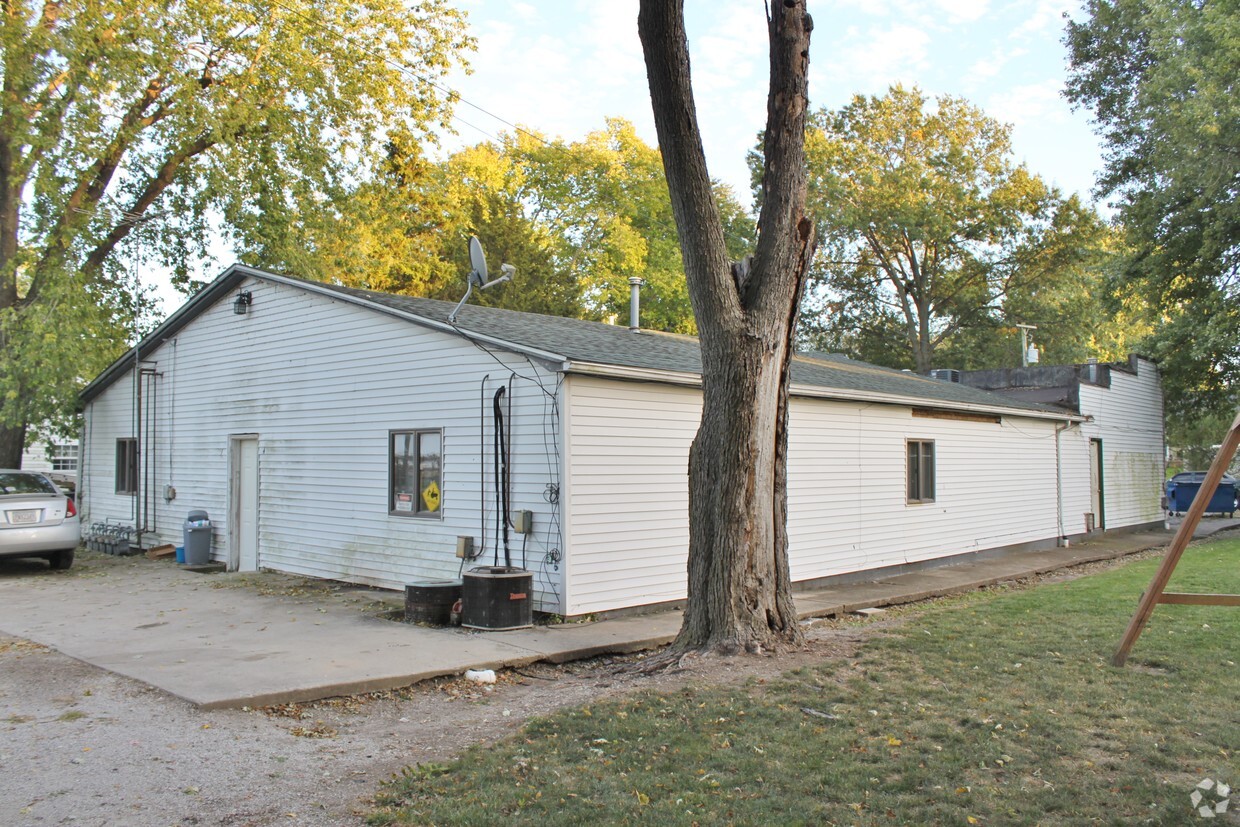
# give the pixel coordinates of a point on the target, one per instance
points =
(1153, 595)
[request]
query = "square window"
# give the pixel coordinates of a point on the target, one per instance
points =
(415, 476)
(920, 470)
(64, 457)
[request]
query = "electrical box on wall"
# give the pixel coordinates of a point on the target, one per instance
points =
(523, 522)
(170, 493)
(464, 547)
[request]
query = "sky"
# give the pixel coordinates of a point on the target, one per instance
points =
(562, 66)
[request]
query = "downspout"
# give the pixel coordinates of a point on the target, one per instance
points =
(136, 403)
(1059, 429)
(85, 444)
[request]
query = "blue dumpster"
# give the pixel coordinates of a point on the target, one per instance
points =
(1182, 490)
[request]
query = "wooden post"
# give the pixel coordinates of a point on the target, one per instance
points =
(1154, 594)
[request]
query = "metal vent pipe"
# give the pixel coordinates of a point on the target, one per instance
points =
(635, 312)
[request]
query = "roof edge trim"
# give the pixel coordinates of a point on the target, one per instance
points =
(813, 392)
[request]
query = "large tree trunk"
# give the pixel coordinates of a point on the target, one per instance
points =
(739, 583)
(12, 438)
(12, 443)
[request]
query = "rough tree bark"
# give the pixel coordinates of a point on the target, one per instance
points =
(739, 584)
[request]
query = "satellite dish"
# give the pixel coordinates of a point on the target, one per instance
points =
(478, 275)
(478, 261)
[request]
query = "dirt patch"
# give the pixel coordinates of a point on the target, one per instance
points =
(85, 746)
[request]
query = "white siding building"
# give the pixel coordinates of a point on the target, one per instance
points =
(1123, 467)
(59, 460)
(352, 435)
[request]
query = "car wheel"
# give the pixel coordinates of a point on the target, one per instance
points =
(61, 559)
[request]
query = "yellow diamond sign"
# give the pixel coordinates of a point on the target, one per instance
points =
(430, 496)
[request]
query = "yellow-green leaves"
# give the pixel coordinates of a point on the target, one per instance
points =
(173, 121)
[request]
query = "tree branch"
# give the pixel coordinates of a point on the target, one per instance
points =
(784, 173)
(94, 182)
(660, 24)
(154, 188)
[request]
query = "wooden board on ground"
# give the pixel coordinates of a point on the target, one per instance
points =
(157, 552)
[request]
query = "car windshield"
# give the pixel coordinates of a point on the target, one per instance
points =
(18, 483)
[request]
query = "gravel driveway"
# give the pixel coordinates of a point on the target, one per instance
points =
(82, 746)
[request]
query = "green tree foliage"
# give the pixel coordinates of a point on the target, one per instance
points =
(1161, 78)
(1194, 440)
(935, 241)
(576, 218)
(181, 118)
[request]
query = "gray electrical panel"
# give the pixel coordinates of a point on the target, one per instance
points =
(523, 522)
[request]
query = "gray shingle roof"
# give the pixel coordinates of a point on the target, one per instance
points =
(584, 343)
(604, 344)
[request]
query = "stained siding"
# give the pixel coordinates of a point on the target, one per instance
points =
(1128, 418)
(322, 382)
(628, 490)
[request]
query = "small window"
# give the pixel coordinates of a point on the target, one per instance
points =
(127, 466)
(920, 471)
(415, 473)
(64, 457)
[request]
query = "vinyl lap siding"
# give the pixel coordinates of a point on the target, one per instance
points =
(1128, 418)
(628, 494)
(628, 500)
(995, 486)
(322, 383)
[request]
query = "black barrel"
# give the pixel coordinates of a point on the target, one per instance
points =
(497, 598)
(431, 601)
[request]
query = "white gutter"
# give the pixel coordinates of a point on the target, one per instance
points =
(818, 392)
(666, 377)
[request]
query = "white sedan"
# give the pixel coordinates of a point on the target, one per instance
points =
(37, 519)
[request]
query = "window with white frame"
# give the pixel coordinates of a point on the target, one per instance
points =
(64, 456)
(415, 473)
(920, 470)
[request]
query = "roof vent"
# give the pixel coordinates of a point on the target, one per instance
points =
(635, 301)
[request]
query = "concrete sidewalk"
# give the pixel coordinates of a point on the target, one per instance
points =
(218, 644)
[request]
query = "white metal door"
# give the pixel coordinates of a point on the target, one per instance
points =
(1097, 504)
(245, 503)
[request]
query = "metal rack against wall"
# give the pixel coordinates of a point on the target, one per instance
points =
(111, 538)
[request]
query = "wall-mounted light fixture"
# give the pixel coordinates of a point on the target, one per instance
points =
(241, 305)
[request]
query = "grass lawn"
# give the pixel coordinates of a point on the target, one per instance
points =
(996, 708)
